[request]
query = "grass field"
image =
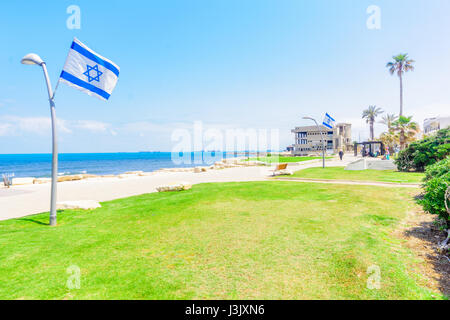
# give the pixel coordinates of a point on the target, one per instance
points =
(262, 240)
(338, 173)
(286, 159)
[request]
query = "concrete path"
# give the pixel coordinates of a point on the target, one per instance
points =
(25, 200)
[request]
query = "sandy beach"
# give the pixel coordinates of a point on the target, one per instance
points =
(19, 201)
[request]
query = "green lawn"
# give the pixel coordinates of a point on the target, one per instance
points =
(253, 240)
(285, 159)
(339, 173)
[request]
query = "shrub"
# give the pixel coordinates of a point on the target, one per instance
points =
(404, 160)
(438, 169)
(437, 180)
(424, 152)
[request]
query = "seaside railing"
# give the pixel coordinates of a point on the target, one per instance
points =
(7, 179)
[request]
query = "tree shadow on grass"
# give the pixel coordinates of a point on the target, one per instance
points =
(34, 221)
(427, 235)
(39, 221)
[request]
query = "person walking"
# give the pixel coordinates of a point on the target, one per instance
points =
(341, 154)
(387, 153)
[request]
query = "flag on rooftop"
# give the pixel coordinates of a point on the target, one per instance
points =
(89, 72)
(328, 121)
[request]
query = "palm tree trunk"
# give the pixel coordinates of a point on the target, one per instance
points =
(371, 130)
(401, 95)
(402, 139)
(402, 133)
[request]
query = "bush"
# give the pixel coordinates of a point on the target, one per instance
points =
(405, 160)
(437, 180)
(438, 169)
(425, 152)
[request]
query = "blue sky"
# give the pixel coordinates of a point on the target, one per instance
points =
(230, 64)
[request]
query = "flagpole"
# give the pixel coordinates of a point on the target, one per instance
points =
(54, 148)
(323, 146)
(54, 91)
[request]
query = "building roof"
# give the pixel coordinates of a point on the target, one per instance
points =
(312, 128)
(322, 127)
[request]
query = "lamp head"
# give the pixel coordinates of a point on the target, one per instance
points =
(31, 59)
(307, 118)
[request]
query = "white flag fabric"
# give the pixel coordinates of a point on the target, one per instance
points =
(328, 121)
(89, 72)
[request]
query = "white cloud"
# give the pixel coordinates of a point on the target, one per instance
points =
(91, 125)
(35, 125)
(38, 125)
(63, 126)
(13, 125)
(5, 128)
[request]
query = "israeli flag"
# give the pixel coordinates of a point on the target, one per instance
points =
(328, 121)
(89, 72)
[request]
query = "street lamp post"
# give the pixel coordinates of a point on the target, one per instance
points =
(323, 140)
(34, 59)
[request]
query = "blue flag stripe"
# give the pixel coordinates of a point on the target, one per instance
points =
(71, 78)
(329, 116)
(75, 46)
(327, 125)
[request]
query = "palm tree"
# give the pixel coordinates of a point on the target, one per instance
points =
(388, 119)
(390, 139)
(370, 114)
(407, 130)
(400, 65)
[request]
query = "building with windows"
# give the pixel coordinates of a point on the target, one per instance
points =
(433, 125)
(308, 139)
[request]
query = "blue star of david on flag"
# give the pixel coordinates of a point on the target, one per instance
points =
(88, 73)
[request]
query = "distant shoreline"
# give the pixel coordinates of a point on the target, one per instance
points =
(137, 152)
(38, 165)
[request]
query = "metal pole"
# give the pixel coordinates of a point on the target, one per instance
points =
(323, 150)
(54, 149)
(323, 144)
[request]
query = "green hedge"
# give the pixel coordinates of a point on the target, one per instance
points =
(425, 152)
(437, 180)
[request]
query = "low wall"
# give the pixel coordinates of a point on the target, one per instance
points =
(370, 163)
